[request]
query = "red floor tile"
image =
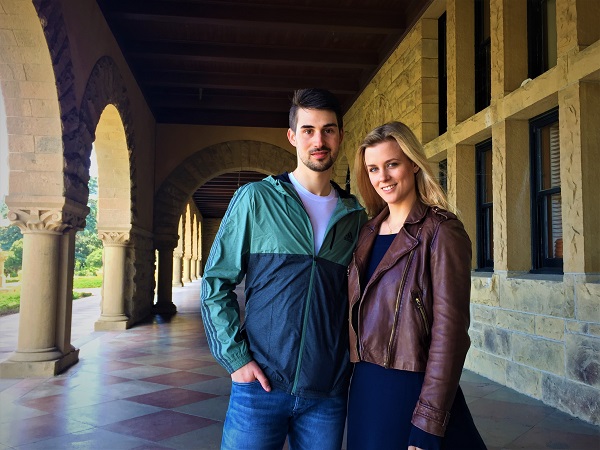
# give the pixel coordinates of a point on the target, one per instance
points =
(178, 378)
(171, 398)
(160, 425)
(185, 364)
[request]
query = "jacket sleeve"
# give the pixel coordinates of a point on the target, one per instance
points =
(224, 270)
(450, 267)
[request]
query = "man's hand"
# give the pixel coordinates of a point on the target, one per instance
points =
(412, 447)
(249, 373)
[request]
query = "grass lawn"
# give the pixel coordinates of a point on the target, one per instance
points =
(10, 300)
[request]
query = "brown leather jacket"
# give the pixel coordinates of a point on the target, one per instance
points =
(414, 312)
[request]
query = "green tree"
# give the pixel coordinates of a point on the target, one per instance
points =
(14, 261)
(8, 234)
(94, 260)
(87, 241)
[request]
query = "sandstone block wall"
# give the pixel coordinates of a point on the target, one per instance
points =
(538, 334)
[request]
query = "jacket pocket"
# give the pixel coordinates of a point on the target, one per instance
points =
(420, 307)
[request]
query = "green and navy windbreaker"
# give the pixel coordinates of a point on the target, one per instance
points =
(295, 324)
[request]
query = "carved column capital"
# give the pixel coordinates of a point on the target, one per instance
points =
(114, 237)
(39, 214)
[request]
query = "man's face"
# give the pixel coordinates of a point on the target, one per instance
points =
(317, 138)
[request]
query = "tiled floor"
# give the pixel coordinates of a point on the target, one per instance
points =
(156, 386)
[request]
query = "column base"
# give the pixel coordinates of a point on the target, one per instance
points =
(112, 324)
(32, 369)
(177, 284)
(164, 308)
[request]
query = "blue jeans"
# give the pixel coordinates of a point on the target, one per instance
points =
(259, 420)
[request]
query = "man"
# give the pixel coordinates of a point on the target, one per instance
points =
(291, 237)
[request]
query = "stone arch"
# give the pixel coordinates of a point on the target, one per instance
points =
(114, 188)
(37, 100)
(105, 87)
(207, 164)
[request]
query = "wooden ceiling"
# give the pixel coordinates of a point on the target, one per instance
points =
(236, 63)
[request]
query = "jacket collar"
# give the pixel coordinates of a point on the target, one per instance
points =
(403, 243)
(285, 177)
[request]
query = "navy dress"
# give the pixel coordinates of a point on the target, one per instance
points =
(381, 403)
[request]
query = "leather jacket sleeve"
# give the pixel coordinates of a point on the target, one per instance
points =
(450, 267)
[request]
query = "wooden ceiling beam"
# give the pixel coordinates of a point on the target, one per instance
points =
(236, 53)
(238, 14)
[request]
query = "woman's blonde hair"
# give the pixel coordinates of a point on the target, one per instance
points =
(429, 190)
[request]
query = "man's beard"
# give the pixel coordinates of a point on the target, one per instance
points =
(320, 166)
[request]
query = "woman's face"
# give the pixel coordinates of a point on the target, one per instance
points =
(391, 173)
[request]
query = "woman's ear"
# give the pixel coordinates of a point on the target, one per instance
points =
(416, 168)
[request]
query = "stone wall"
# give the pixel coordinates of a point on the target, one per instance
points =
(538, 334)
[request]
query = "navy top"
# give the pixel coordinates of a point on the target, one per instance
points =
(418, 437)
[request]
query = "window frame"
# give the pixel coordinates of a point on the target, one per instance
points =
(541, 262)
(442, 76)
(538, 46)
(485, 216)
(483, 57)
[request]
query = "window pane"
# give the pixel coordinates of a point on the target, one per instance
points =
(488, 196)
(550, 33)
(550, 157)
(554, 241)
(489, 241)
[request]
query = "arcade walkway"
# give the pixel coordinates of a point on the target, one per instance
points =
(156, 386)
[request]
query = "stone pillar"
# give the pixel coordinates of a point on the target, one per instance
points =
(177, 254)
(510, 185)
(461, 191)
(43, 347)
(113, 317)
(508, 19)
(579, 106)
(460, 48)
(177, 268)
(187, 246)
(164, 290)
(2, 276)
(194, 260)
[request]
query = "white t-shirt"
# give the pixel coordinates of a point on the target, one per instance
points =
(319, 209)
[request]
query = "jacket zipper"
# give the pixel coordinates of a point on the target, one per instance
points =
(304, 324)
(396, 309)
(358, 344)
(421, 309)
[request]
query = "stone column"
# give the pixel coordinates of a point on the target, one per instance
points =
(510, 185)
(164, 295)
(194, 261)
(579, 167)
(43, 347)
(187, 247)
(177, 268)
(461, 191)
(2, 276)
(460, 48)
(113, 317)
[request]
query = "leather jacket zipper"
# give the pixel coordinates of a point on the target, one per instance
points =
(421, 309)
(397, 307)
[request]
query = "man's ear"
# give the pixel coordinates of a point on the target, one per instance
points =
(291, 135)
(341, 136)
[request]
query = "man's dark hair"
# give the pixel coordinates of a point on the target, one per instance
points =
(314, 98)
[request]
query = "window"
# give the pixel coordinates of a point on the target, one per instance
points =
(443, 173)
(485, 217)
(442, 76)
(546, 209)
(483, 61)
(541, 36)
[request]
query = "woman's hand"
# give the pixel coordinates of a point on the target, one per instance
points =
(412, 447)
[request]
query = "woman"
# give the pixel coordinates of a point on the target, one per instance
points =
(409, 287)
